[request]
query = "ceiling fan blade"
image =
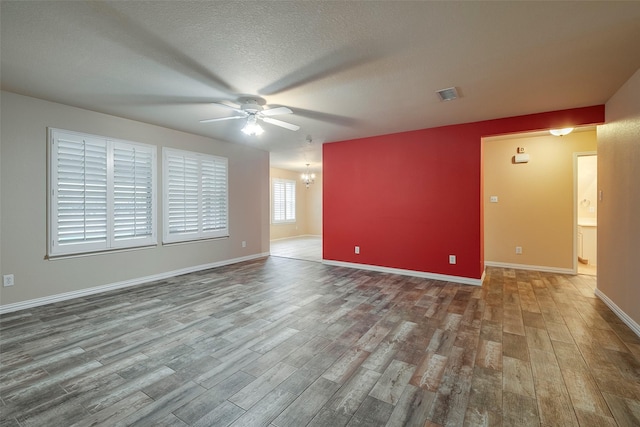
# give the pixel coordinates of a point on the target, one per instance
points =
(121, 29)
(327, 117)
(335, 62)
(148, 100)
(231, 105)
(222, 118)
(280, 123)
(276, 111)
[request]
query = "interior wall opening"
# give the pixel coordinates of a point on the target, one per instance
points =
(586, 205)
(296, 215)
(529, 206)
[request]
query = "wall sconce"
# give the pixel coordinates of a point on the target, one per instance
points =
(308, 178)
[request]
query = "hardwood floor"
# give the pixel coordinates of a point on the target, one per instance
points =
(302, 247)
(283, 342)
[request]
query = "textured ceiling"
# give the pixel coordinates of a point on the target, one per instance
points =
(346, 69)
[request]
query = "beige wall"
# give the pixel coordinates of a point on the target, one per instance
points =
(535, 199)
(314, 207)
(24, 215)
(619, 210)
(308, 207)
(1, 270)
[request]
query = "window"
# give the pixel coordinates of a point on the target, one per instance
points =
(102, 193)
(284, 200)
(195, 196)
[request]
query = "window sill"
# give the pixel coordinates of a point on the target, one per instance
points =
(102, 252)
(186, 242)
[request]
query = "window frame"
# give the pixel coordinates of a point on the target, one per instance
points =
(284, 182)
(201, 233)
(111, 242)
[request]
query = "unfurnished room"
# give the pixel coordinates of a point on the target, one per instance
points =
(319, 213)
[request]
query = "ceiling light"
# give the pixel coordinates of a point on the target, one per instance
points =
(448, 94)
(252, 127)
(560, 132)
(308, 178)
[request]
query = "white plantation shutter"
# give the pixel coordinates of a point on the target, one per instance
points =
(196, 196)
(290, 201)
(101, 193)
(214, 195)
(277, 196)
(284, 200)
(80, 183)
(182, 194)
(133, 178)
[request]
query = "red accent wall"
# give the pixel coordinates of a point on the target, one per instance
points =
(411, 199)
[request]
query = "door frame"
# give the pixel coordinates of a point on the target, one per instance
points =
(575, 204)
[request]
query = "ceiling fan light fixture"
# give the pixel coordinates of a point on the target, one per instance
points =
(560, 132)
(448, 94)
(252, 110)
(252, 127)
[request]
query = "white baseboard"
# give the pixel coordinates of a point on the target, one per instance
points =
(635, 327)
(8, 308)
(424, 275)
(529, 267)
(295, 237)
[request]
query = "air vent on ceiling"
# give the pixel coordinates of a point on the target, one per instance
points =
(448, 94)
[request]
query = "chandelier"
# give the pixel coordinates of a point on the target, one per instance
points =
(308, 178)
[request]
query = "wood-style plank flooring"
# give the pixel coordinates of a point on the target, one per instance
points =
(300, 247)
(283, 342)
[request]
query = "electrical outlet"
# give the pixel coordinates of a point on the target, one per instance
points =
(357, 249)
(493, 199)
(244, 244)
(518, 250)
(8, 280)
(452, 259)
(520, 150)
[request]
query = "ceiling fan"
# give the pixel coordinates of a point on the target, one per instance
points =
(251, 109)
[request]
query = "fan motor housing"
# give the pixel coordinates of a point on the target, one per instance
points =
(251, 106)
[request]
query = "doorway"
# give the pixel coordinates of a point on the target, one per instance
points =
(586, 212)
(530, 209)
(296, 227)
